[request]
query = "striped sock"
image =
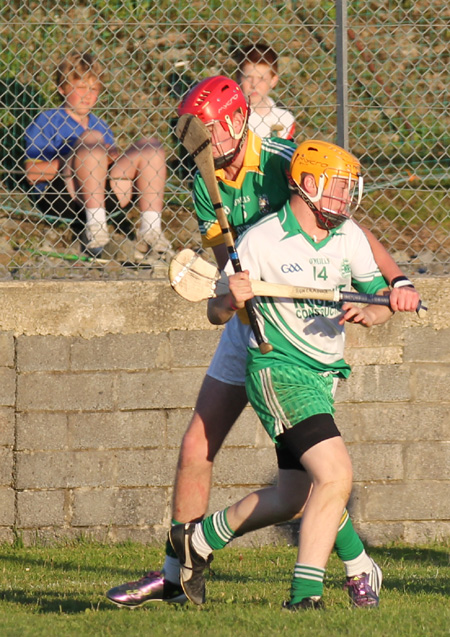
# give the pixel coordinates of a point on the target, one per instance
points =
(348, 544)
(307, 582)
(199, 542)
(350, 549)
(217, 531)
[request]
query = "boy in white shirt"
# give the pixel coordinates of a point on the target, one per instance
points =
(257, 76)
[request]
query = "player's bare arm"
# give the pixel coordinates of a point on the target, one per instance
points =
(404, 298)
(388, 267)
(366, 316)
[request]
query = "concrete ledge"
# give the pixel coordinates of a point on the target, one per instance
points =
(98, 383)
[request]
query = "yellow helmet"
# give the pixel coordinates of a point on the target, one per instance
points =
(327, 163)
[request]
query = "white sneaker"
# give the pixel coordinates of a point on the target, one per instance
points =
(97, 235)
(155, 242)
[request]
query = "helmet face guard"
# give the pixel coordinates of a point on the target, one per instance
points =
(216, 99)
(338, 179)
(227, 157)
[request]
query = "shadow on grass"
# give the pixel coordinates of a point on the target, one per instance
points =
(127, 574)
(429, 556)
(46, 602)
(87, 557)
(72, 566)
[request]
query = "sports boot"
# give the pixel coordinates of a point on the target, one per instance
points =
(308, 603)
(364, 589)
(192, 564)
(150, 588)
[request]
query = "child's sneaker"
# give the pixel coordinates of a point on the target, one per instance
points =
(154, 242)
(94, 238)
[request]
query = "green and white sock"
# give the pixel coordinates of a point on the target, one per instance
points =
(307, 582)
(217, 530)
(350, 549)
(199, 542)
(358, 566)
(212, 534)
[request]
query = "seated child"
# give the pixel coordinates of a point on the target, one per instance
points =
(78, 172)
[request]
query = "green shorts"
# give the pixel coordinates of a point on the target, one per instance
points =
(285, 395)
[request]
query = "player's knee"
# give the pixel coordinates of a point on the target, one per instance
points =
(337, 486)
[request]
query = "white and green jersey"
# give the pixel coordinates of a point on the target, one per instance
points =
(305, 332)
(260, 188)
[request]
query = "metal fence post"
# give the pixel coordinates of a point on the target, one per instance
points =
(341, 73)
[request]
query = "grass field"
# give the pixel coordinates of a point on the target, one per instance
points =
(59, 591)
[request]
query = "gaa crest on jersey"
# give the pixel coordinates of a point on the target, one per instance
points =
(264, 205)
(346, 269)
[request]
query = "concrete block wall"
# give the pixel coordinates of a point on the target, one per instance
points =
(98, 381)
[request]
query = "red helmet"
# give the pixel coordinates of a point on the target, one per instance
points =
(216, 99)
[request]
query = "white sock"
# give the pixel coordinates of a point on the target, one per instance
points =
(361, 564)
(199, 542)
(95, 216)
(96, 228)
(150, 220)
(171, 569)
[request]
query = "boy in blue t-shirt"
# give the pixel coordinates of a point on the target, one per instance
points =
(77, 171)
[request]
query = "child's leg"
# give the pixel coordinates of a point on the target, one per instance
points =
(89, 166)
(143, 164)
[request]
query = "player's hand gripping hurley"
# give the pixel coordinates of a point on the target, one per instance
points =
(196, 280)
(196, 138)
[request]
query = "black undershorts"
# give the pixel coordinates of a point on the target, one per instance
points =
(293, 442)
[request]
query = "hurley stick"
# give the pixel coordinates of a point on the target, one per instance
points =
(195, 279)
(196, 138)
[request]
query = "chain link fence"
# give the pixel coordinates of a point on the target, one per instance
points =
(396, 110)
